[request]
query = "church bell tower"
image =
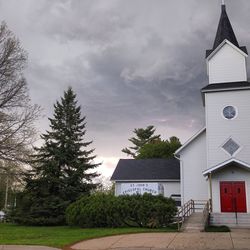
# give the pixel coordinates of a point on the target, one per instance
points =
(227, 97)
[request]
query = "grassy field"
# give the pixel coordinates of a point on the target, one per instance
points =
(59, 236)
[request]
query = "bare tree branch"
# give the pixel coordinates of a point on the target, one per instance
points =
(17, 114)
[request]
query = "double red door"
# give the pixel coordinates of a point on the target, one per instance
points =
(233, 196)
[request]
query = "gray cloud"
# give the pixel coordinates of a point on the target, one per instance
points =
(132, 63)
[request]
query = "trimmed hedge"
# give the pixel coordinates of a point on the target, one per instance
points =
(106, 210)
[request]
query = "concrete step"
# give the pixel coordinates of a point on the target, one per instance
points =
(229, 219)
(243, 215)
(194, 223)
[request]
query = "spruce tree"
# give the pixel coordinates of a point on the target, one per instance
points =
(62, 167)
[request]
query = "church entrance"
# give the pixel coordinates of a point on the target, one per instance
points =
(233, 196)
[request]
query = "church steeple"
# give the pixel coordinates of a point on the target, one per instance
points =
(224, 30)
(226, 61)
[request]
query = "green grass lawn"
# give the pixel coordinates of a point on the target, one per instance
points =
(60, 236)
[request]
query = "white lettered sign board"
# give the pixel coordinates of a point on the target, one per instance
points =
(141, 188)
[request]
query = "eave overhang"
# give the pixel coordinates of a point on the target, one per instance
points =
(222, 87)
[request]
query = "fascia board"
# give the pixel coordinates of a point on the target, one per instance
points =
(225, 89)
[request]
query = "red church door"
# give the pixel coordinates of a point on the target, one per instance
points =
(233, 196)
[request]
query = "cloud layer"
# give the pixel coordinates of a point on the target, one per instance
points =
(132, 63)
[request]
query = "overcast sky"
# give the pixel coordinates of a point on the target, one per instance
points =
(132, 63)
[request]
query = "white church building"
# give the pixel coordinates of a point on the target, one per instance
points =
(215, 163)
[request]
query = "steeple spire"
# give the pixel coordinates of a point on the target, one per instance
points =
(225, 30)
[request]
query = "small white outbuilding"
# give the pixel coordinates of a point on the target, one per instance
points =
(155, 176)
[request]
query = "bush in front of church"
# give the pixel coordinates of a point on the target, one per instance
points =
(106, 210)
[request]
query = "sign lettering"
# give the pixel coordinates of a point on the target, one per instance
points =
(141, 188)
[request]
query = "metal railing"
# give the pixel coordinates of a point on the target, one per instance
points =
(184, 212)
(193, 206)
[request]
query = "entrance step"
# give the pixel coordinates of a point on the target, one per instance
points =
(242, 220)
(194, 223)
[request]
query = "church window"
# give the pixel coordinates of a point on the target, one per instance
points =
(231, 146)
(229, 112)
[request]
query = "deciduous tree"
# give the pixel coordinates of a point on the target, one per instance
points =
(17, 114)
(159, 149)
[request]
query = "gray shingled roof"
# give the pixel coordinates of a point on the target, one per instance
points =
(147, 169)
(225, 31)
(225, 85)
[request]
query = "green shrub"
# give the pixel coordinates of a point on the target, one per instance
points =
(44, 212)
(106, 210)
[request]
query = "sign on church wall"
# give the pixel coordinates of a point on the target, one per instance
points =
(141, 188)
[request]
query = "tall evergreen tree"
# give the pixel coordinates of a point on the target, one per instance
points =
(143, 136)
(62, 167)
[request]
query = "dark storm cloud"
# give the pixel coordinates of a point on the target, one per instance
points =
(131, 62)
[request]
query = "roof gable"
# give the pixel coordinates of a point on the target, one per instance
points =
(147, 169)
(225, 164)
(211, 53)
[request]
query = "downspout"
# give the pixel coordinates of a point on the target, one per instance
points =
(211, 190)
(181, 180)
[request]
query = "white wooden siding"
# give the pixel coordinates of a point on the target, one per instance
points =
(220, 129)
(227, 65)
(171, 188)
(229, 174)
(193, 163)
